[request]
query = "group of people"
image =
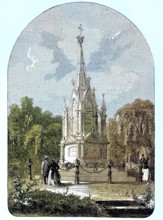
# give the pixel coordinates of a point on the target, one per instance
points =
(51, 175)
(50, 172)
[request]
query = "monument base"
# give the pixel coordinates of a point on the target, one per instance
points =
(89, 175)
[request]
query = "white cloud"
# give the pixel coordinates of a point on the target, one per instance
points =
(117, 82)
(24, 83)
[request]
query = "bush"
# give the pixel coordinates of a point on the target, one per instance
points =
(18, 197)
(147, 198)
(45, 203)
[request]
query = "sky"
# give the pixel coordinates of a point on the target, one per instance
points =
(44, 59)
(145, 14)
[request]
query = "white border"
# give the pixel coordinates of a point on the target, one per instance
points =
(15, 15)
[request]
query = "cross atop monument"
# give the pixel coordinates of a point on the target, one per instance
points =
(81, 29)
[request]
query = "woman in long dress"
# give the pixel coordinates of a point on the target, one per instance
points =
(54, 175)
(145, 168)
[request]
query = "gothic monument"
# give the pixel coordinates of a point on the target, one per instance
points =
(84, 124)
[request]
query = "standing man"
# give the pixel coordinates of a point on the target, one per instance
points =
(45, 169)
(30, 168)
(110, 164)
(140, 171)
(77, 172)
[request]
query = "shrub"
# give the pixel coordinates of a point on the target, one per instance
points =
(147, 198)
(19, 197)
(26, 201)
(56, 204)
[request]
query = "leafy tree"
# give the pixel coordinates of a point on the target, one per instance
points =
(132, 127)
(14, 131)
(26, 113)
(138, 120)
(47, 118)
(51, 141)
(116, 146)
(32, 133)
(58, 119)
(33, 139)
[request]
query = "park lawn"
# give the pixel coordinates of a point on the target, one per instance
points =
(105, 191)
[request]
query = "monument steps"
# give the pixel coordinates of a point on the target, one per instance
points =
(125, 208)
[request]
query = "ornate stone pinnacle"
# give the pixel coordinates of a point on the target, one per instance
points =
(80, 37)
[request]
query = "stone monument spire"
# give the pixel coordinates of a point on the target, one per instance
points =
(103, 106)
(103, 116)
(84, 125)
(81, 82)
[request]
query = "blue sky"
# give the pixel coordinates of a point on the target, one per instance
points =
(45, 56)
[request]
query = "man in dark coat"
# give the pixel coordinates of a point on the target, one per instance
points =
(45, 169)
(30, 168)
(77, 172)
(110, 164)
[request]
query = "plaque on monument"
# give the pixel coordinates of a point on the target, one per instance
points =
(73, 151)
(70, 153)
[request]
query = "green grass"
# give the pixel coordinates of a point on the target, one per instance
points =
(105, 191)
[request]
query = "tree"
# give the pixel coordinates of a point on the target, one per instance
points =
(33, 139)
(52, 139)
(32, 133)
(130, 130)
(116, 146)
(26, 113)
(15, 135)
(136, 122)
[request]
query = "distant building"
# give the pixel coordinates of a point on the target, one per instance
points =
(84, 124)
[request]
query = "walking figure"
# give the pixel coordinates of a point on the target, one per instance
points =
(140, 170)
(110, 164)
(30, 168)
(77, 172)
(95, 166)
(54, 177)
(45, 169)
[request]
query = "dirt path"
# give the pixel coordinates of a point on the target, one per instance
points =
(80, 190)
(101, 191)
